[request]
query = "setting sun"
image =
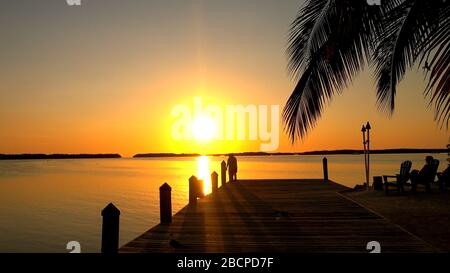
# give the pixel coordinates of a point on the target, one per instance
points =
(203, 128)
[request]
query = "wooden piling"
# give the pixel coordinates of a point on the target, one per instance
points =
(214, 182)
(193, 190)
(200, 188)
(325, 169)
(165, 203)
(110, 229)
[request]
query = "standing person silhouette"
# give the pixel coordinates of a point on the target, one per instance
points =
(232, 167)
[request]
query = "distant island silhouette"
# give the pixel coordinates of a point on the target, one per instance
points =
(322, 152)
(56, 156)
(149, 155)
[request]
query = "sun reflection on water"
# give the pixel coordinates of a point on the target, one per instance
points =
(204, 173)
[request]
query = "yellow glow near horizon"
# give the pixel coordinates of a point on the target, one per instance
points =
(203, 173)
(203, 128)
(104, 85)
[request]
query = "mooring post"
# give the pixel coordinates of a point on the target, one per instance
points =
(110, 229)
(193, 190)
(214, 182)
(325, 169)
(223, 172)
(200, 187)
(165, 203)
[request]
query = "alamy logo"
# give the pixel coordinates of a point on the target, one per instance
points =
(230, 123)
(73, 2)
(374, 2)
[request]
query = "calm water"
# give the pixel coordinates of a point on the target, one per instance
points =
(46, 203)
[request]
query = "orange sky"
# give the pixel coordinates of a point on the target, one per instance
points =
(104, 77)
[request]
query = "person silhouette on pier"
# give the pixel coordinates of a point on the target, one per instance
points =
(232, 167)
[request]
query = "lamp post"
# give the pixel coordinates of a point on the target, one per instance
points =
(363, 130)
(366, 143)
(368, 127)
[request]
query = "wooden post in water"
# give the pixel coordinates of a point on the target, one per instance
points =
(165, 203)
(325, 169)
(223, 172)
(193, 190)
(110, 229)
(214, 182)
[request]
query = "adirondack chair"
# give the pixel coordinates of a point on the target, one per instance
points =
(426, 178)
(444, 179)
(401, 179)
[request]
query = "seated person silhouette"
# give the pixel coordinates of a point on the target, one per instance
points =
(232, 167)
(418, 177)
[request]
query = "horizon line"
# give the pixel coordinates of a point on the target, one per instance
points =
(248, 153)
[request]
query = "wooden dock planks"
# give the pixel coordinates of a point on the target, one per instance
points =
(276, 216)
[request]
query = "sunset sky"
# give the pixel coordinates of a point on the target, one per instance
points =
(104, 77)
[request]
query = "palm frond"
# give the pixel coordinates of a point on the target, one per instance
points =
(330, 41)
(408, 28)
(394, 53)
(300, 32)
(438, 87)
(338, 46)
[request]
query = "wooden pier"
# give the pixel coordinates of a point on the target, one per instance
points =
(276, 216)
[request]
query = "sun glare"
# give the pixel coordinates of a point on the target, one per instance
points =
(203, 173)
(203, 128)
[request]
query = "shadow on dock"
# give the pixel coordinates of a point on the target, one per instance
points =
(290, 215)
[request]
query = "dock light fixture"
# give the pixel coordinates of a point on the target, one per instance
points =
(366, 142)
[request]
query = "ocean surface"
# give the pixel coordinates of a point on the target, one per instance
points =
(44, 204)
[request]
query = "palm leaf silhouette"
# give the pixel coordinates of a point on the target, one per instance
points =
(330, 41)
